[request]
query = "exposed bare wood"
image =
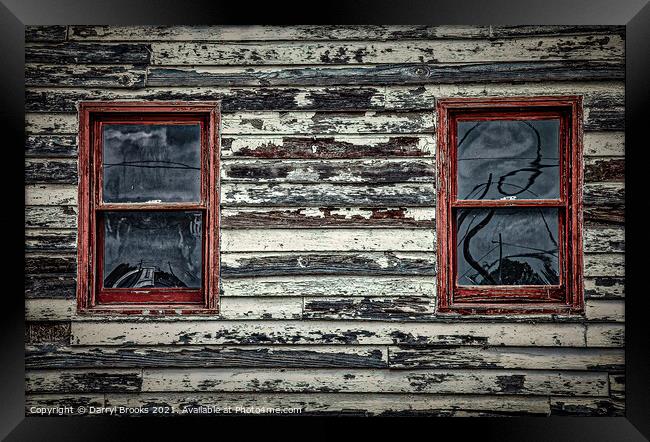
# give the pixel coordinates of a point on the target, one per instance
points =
(233, 99)
(575, 406)
(280, 356)
(324, 195)
(362, 381)
(332, 263)
(328, 147)
(52, 146)
(79, 381)
(388, 74)
(328, 171)
(98, 82)
(119, 76)
(507, 358)
(73, 53)
(51, 33)
(403, 308)
(53, 217)
(605, 288)
(330, 217)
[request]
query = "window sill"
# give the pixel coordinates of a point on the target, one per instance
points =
(152, 311)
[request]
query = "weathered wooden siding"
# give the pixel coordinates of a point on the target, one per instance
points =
(328, 210)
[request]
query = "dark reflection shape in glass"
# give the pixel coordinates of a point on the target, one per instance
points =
(507, 246)
(152, 249)
(508, 159)
(151, 162)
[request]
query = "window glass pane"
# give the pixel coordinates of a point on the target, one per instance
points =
(508, 159)
(152, 249)
(151, 162)
(507, 246)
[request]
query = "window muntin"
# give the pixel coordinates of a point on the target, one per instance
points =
(508, 205)
(148, 232)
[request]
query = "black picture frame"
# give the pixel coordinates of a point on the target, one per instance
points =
(15, 14)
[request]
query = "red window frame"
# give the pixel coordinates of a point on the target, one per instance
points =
(91, 295)
(565, 298)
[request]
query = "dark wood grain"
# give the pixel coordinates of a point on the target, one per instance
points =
(392, 74)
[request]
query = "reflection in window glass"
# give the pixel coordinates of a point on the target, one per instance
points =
(152, 249)
(151, 162)
(507, 246)
(508, 159)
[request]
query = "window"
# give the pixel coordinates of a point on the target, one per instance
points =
(509, 205)
(148, 233)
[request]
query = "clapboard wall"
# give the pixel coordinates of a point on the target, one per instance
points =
(327, 213)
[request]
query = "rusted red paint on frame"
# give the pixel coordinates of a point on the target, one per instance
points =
(565, 298)
(91, 297)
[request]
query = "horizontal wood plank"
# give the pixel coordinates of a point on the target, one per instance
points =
(51, 146)
(322, 32)
(326, 332)
(322, 240)
(387, 74)
(403, 308)
(604, 264)
(579, 406)
(604, 144)
(362, 381)
(327, 147)
(605, 335)
(286, 356)
(608, 47)
(325, 195)
(100, 53)
(506, 358)
(49, 309)
(604, 287)
(288, 217)
(333, 263)
(329, 286)
(47, 99)
(41, 33)
(53, 217)
(50, 286)
(328, 171)
(119, 76)
(260, 308)
(604, 169)
(99, 82)
(327, 123)
(605, 310)
(80, 381)
(597, 95)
